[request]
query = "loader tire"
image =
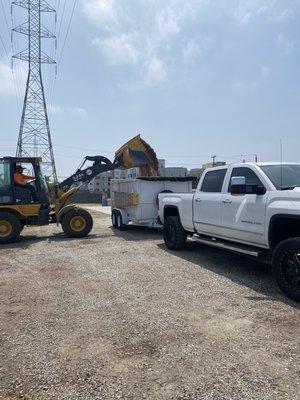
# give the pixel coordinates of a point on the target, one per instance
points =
(10, 228)
(77, 223)
(174, 235)
(286, 267)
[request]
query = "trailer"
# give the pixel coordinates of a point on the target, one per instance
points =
(135, 201)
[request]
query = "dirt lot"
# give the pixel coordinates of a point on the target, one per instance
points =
(116, 316)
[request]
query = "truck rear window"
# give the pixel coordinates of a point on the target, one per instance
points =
(213, 181)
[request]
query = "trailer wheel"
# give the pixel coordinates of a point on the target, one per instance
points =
(77, 223)
(174, 234)
(114, 218)
(119, 221)
(10, 228)
(286, 267)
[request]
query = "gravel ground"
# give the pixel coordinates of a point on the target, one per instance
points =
(117, 316)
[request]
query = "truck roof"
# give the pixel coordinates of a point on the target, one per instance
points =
(259, 164)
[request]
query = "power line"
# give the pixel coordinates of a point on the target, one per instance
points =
(61, 20)
(68, 30)
(4, 47)
(4, 14)
(8, 57)
(54, 81)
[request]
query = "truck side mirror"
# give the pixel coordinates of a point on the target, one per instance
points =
(238, 185)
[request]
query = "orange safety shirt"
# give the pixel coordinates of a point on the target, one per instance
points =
(21, 179)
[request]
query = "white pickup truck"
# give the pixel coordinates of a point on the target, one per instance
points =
(249, 208)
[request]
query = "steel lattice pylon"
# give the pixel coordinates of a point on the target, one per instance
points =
(34, 136)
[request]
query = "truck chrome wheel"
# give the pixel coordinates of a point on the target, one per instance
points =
(286, 267)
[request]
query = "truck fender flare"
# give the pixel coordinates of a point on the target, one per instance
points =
(170, 207)
(64, 210)
(272, 221)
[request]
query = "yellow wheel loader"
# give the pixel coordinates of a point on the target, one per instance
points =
(19, 209)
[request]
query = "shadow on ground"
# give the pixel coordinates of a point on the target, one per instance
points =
(27, 240)
(239, 269)
(133, 233)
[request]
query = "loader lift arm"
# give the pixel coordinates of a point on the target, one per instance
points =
(100, 164)
(135, 153)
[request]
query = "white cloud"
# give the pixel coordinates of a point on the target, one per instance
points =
(266, 71)
(157, 71)
(250, 10)
(102, 12)
(6, 80)
(191, 51)
(12, 82)
(285, 44)
(157, 38)
(118, 49)
(55, 109)
(77, 111)
(141, 34)
(247, 11)
(194, 49)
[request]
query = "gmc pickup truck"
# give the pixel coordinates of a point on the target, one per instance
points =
(249, 208)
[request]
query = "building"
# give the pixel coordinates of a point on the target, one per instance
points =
(196, 172)
(211, 165)
(162, 166)
(174, 172)
(101, 183)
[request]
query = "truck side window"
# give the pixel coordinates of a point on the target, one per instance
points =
(213, 181)
(251, 177)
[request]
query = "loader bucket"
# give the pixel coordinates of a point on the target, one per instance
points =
(138, 153)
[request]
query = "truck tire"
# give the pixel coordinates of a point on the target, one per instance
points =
(286, 267)
(174, 234)
(10, 228)
(77, 223)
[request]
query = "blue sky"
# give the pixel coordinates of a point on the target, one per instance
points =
(194, 77)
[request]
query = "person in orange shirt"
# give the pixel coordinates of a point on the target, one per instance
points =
(23, 180)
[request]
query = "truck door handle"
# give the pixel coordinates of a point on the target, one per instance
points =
(227, 201)
(198, 200)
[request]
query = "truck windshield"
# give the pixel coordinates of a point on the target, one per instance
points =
(283, 177)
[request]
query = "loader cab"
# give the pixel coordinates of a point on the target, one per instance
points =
(13, 194)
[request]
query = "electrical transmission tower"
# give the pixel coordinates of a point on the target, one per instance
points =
(34, 134)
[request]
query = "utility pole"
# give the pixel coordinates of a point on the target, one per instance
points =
(34, 135)
(214, 160)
